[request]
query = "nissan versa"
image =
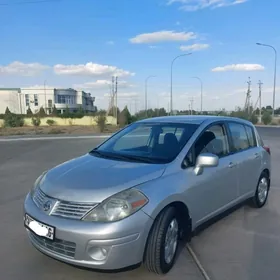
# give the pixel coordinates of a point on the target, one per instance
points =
(132, 198)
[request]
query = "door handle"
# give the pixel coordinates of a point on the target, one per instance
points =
(231, 165)
(257, 155)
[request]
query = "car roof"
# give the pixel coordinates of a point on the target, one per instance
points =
(192, 119)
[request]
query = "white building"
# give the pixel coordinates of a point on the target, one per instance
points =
(18, 100)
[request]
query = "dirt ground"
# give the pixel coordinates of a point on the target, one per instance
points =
(74, 130)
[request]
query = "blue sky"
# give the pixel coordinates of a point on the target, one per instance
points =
(82, 43)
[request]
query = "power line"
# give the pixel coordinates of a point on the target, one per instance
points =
(28, 2)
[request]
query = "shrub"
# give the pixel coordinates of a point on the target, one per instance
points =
(50, 122)
(54, 111)
(254, 119)
(29, 112)
(13, 120)
(36, 121)
(42, 112)
(7, 111)
(101, 120)
(266, 118)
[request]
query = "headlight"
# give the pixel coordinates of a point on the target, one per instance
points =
(37, 183)
(118, 207)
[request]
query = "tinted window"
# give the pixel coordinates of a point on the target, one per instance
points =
(251, 136)
(213, 140)
(158, 142)
(239, 137)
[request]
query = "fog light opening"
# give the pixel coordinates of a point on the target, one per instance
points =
(98, 253)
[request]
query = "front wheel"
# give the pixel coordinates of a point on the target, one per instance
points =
(261, 194)
(162, 244)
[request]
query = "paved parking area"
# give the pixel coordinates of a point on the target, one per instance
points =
(243, 245)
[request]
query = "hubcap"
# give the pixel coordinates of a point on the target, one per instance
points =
(263, 190)
(171, 240)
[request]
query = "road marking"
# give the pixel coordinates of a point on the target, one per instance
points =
(198, 263)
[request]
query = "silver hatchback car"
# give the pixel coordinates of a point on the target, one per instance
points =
(132, 198)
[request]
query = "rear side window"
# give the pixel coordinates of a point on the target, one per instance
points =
(239, 137)
(251, 136)
(259, 139)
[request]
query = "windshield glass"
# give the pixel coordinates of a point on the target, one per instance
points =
(148, 142)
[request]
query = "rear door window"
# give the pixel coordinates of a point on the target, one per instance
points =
(240, 138)
(251, 136)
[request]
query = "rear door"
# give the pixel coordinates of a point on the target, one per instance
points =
(246, 153)
(216, 187)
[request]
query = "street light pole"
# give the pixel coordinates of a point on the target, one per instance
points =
(146, 93)
(275, 70)
(201, 92)
(171, 81)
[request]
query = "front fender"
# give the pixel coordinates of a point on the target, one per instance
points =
(162, 192)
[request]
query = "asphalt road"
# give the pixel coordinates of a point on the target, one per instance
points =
(244, 245)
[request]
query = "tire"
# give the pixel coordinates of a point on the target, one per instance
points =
(262, 191)
(156, 258)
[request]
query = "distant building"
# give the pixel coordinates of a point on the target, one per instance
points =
(18, 100)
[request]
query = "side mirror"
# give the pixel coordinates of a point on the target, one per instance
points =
(205, 160)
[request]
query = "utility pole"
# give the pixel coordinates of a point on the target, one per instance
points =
(45, 96)
(191, 105)
(116, 96)
(248, 96)
(260, 99)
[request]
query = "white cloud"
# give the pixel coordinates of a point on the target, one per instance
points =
(194, 5)
(162, 36)
(101, 84)
(238, 67)
(110, 43)
(194, 47)
(90, 69)
(23, 69)
(178, 23)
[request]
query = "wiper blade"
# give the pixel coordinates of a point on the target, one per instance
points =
(142, 159)
(98, 153)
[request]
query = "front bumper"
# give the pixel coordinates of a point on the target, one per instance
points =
(80, 243)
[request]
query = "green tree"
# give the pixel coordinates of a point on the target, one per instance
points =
(125, 117)
(29, 112)
(80, 113)
(254, 118)
(66, 113)
(41, 112)
(101, 120)
(266, 118)
(54, 111)
(7, 111)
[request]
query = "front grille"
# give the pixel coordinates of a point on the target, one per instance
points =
(58, 246)
(71, 210)
(39, 197)
(66, 209)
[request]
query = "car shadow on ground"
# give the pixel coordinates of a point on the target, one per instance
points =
(218, 218)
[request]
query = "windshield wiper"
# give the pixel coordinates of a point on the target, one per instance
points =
(142, 159)
(99, 154)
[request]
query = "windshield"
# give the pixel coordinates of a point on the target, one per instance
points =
(148, 142)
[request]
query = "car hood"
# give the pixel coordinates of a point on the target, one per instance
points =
(92, 179)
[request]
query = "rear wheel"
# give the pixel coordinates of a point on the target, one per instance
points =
(261, 194)
(162, 244)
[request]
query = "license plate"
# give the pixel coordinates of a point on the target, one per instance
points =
(39, 228)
